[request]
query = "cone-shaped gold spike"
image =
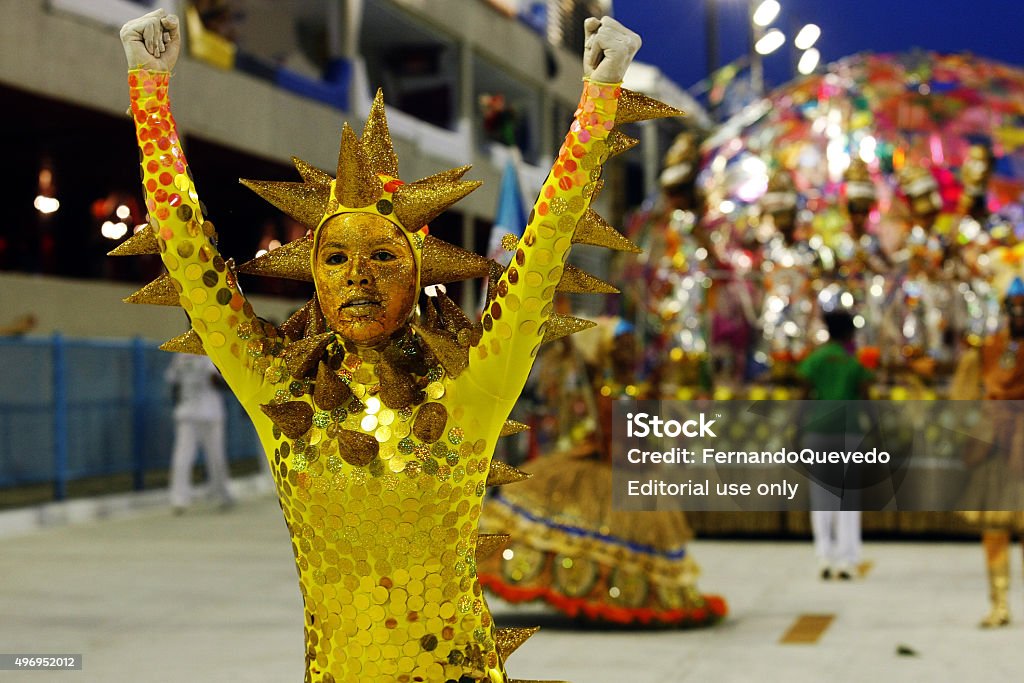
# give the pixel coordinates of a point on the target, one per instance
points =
(430, 315)
(377, 140)
(592, 229)
(559, 326)
(618, 142)
(294, 418)
(356, 448)
(329, 392)
(444, 262)
(295, 325)
(304, 202)
(315, 321)
(142, 242)
(488, 544)
(455, 319)
(289, 261)
(419, 203)
(500, 474)
(357, 185)
(636, 107)
(512, 427)
(508, 640)
(580, 282)
(313, 175)
(453, 358)
(302, 356)
(159, 292)
(452, 175)
(185, 343)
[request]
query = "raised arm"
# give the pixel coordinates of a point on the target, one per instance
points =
(514, 323)
(206, 288)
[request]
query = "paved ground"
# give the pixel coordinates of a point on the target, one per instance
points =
(210, 596)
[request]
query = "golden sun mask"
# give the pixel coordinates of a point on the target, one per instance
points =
(365, 277)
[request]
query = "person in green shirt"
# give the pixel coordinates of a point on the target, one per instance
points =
(832, 373)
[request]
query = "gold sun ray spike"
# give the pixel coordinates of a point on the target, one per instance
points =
(366, 181)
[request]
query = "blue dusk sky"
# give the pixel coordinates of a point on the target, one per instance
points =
(674, 31)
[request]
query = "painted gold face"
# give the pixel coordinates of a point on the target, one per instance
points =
(365, 277)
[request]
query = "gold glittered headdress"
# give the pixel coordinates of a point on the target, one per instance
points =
(921, 188)
(859, 187)
(781, 194)
(977, 170)
(917, 181)
(367, 182)
(682, 160)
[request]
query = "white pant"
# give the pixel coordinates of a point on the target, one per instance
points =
(837, 537)
(188, 436)
(836, 531)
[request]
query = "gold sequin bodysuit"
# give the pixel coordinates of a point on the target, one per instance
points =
(385, 546)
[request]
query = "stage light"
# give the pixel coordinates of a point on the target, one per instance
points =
(770, 42)
(113, 231)
(46, 204)
(766, 13)
(808, 61)
(807, 37)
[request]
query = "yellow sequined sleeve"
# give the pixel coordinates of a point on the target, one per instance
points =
(514, 323)
(205, 285)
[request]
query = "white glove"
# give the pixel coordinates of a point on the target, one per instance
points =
(608, 50)
(152, 41)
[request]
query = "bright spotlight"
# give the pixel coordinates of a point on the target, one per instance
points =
(766, 12)
(46, 204)
(807, 37)
(808, 61)
(113, 231)
(770, 42)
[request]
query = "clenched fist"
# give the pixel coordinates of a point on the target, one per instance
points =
(152, 41)
(608, 50)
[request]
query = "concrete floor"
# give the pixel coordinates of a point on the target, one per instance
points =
(212, 596)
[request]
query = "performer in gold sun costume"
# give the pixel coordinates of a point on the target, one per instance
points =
(994, 497)
(380, 424)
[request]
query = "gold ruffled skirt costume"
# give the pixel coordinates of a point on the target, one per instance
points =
(570, 549)
(381, 455)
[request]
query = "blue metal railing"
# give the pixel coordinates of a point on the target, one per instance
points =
(77, 408)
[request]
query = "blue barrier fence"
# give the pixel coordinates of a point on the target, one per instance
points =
(77, 408)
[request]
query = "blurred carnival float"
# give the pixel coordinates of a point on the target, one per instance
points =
(891, 186)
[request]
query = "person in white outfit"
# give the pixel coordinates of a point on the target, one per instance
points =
(199, 420)
(832, 373)
(836, 529)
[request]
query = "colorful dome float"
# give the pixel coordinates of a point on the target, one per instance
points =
(893, 185)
